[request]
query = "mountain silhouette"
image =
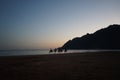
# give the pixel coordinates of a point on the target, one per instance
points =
(105, 38)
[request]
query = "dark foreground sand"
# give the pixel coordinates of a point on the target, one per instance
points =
(75, 66)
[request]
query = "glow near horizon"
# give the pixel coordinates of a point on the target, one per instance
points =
(42, 24)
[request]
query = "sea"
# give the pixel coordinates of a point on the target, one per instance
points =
(42, 52)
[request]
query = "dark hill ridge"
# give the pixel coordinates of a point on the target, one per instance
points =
(105, 38)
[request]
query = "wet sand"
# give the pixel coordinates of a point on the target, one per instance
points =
(73, 66)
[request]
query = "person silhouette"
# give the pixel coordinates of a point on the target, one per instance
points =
(55, 50)
(60, 50)
(65, 50)
(50, 50)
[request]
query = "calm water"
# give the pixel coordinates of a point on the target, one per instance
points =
(23, 52)
(40, 52)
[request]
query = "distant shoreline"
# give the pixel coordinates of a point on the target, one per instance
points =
(46, 52)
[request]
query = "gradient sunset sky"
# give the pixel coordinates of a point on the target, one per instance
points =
(44, 24)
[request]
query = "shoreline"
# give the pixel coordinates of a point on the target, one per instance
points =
(34, 52)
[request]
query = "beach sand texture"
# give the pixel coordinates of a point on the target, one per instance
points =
(73, 66)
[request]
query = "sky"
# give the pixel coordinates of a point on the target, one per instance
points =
(44, 24)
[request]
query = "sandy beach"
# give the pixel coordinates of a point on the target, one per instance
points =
(73, 66)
